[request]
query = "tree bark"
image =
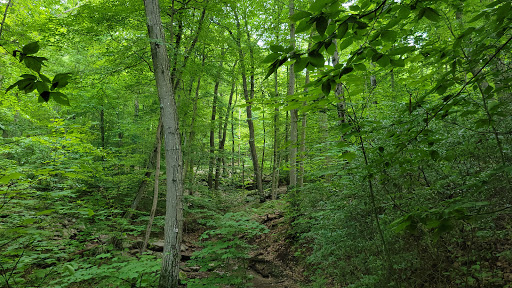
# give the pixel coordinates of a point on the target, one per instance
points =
(155, 191)
(249, 95)
(293, 113)
(150, 165)
(189, 164)
(222, 141)
(169, 275)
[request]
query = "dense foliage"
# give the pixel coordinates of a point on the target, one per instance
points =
(403, 146)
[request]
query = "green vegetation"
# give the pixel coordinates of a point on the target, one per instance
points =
(312, 143)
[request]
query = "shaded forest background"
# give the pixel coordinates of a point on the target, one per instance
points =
(379, 132)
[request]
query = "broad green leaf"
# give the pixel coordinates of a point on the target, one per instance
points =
(31, 48)
(300, 64)
(404, 11)
(33, 63)
(326, 87)
(276, 48)
(41, 87)
(29, 76)
(316, 59)
(342, 30)
(321, 25)
(388, 35)
(299, 15)
(343, 45)
(431, 14)
(397, 62)
(60, 98)
(44, 96)
(303, 26)
(271, 57)
(360, 67)
(11, 176)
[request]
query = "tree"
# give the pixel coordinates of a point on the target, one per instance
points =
(169, 276)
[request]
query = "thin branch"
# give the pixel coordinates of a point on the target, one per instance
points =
(5, 16)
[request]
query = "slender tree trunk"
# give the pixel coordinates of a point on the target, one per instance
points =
(277, 155)
(189, 164)
(151, 164)
(212, 163)
(222, 141)
(249, 95)
(264, 143)
(155, 191)
(293, 113)
(303, 137)
(340, 106)
(188, 52)
(169, 275)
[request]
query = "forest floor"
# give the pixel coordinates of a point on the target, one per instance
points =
(271, 262)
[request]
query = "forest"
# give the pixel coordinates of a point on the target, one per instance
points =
(201, 143)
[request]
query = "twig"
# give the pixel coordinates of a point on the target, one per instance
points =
(5, 16)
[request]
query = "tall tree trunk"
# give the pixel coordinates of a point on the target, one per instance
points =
(155, 190)
(249, 95)
(212, 161)
(222, 141)
(340, 106)
(293, 113)
(189, 164)
(303, 136)
(276, 161)
(277, 154)
(169, 275)
(188, 52)
(149, 166)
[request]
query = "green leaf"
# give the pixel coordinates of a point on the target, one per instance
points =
(346, 70)
(388, 35)
(11, 176)
(69, 269)
(60, 80)
(303, 26)
(326, 87)
(360, 25)
(360, 67)
(31, 48)
(276, 48)
(434, 155)
(45, 212)
(60, 98)
(330, 48)
(347, 42)
(41, 87)
(318, 5)
(316, 59)
(342, 30)
(44, 96)
(33, 63)
(349, 156)
(270, 58)
(397, 62)
(404, 11)
(29, 76)
(431, 14)
(321, 25)
(300, 64)
(299, 15)
(383, 61)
